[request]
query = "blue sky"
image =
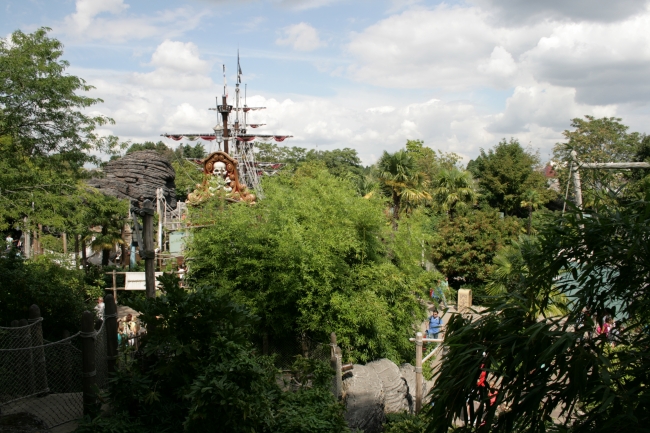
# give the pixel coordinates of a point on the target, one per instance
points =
(362, 74)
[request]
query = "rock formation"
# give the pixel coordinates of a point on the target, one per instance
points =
(371, 391)
(136, 176)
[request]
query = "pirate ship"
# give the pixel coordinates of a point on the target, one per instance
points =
(233, 171)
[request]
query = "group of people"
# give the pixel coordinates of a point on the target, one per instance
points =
(128, 329)
(605, 325)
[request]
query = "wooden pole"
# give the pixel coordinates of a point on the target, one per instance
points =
(64, 238)
(576, 181)
(83, 252)
(110, 315)
(335, 362)
(418, 372)
(76, 251)
(38, 354)
(114, 285)
(28, 241)
(88, 371)
(149, 253)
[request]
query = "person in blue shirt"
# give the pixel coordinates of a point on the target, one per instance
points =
(435, 323)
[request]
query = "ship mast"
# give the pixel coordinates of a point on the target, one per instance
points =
(243, 146)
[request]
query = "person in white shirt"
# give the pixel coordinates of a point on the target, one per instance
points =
(99, 308)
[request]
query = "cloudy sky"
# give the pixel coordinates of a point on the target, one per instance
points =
(460, 75)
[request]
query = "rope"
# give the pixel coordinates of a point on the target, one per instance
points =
(92, 334)
(78, 334)
(40, 319)
(109, 316)
(89, 374)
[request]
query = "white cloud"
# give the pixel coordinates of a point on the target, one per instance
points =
(517, 11)
(178, 65)
(304, 4)
(449, 47)
(301, 37)
(88, 22)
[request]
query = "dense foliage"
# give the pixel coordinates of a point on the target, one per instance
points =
(61, 294)
(463, 247)
(45, 138)
(313, 258)
(200, 373)
(548, 369)
(598, 140)
(507, 175)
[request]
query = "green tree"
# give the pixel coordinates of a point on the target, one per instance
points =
(531, 200)
(597, 140)
(401, 181)
(463, 248)
(339, 162)
(454, 190)
(546, 370)
(313, 258)
(45, 137)
(506, 173)
(430, 162)
(201, 374)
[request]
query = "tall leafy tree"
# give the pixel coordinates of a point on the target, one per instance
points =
(313, 258)
(45, 137)
(463, 247)
(453, 190)
(505, 173)
(597, 140)
(399, 178)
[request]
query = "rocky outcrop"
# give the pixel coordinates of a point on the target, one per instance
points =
(136, 176)
(375, 389)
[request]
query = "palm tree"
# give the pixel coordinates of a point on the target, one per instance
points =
(400, 179)
(511, 272)
(110, 236)
(531, 200)
(454, 189)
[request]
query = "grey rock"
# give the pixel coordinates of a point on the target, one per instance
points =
(136, 176)
(371, 391)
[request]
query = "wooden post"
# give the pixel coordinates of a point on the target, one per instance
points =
(88, 371)
(110, 315)
(83, 252)
(40, 233)
(64, 238)
(28, 241)
(576, 180)
(335, 362)
(114, 285)
(38, 354)
(149, 253)
(418, 372)
(76, 251)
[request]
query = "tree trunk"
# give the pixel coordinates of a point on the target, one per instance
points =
(530, 218)
(396, 209)
(76, 251)
(105, 256)
(83, 252)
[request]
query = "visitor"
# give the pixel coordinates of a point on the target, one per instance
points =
(435, 323)
(99, 308)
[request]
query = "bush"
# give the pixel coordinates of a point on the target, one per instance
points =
(62, 294)
(404, 423)
(199, 373)
(315, 258)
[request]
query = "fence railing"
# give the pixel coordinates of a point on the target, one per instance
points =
(47, 379)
